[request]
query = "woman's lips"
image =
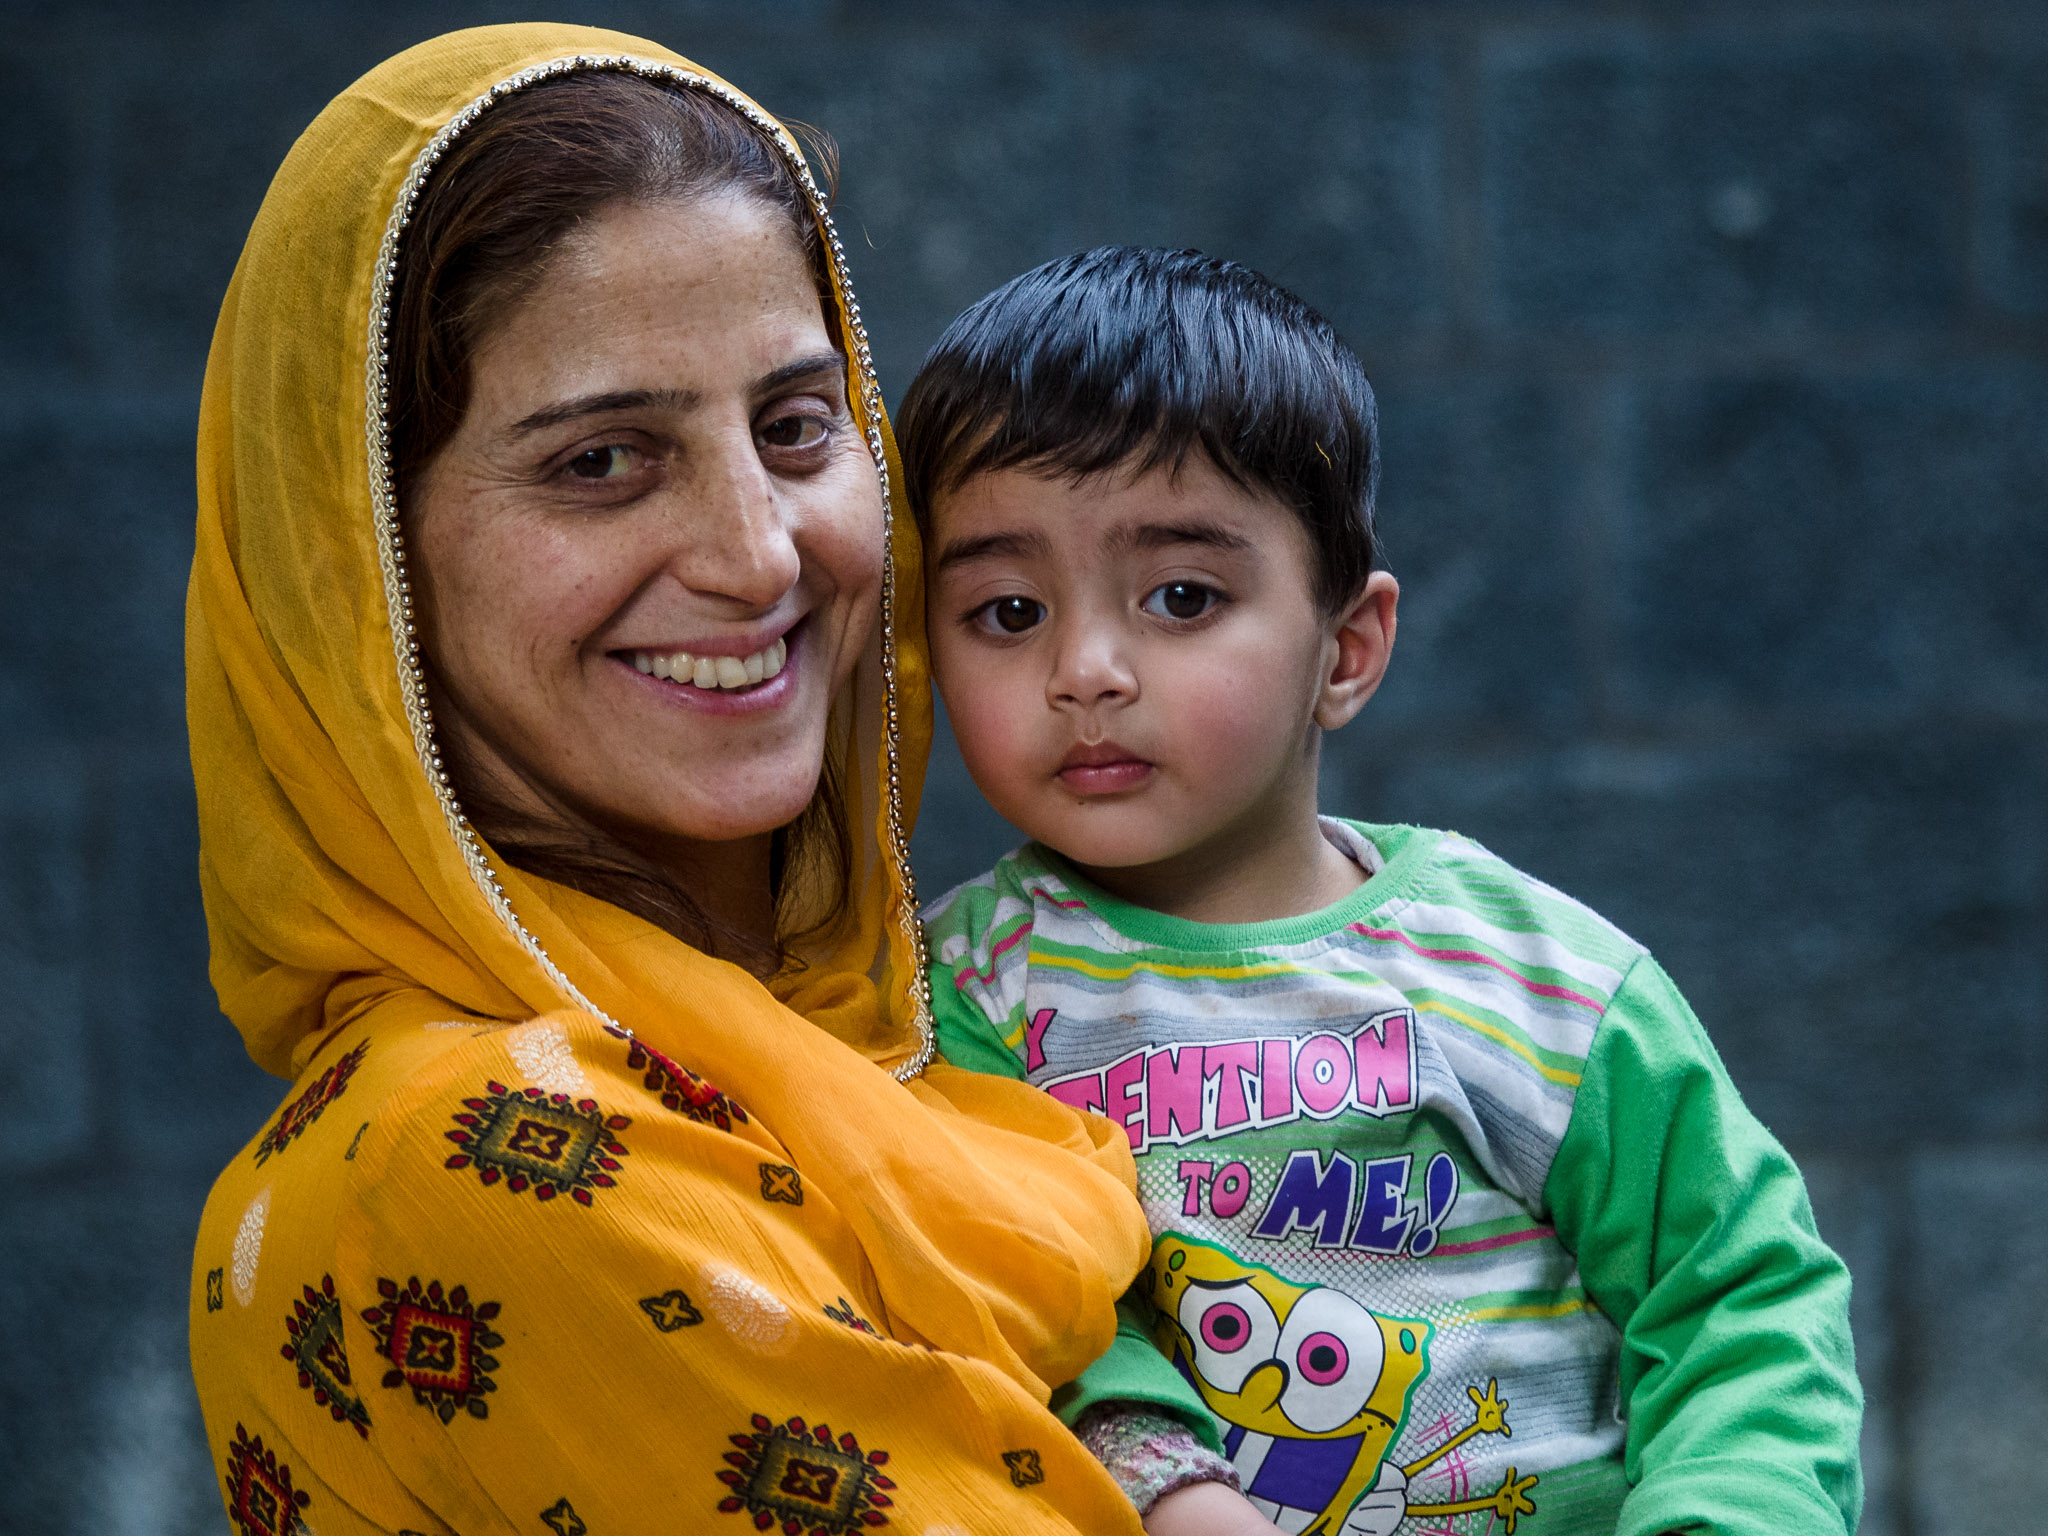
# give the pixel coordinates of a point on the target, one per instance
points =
(718, 696)
(729, 672)
(1103, 769)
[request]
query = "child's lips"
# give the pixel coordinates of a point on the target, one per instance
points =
(1102, 769)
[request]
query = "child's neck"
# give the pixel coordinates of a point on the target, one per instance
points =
(1253, 873)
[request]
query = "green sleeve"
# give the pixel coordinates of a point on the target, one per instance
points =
(966, 1036)
(962, 925)
(1132, 1370)
(1693, 1233)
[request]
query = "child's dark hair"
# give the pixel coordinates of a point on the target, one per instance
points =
(1130, 357)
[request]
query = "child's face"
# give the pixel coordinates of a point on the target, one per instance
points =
(1135, 669)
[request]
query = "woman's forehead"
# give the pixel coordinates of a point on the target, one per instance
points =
(685, 300)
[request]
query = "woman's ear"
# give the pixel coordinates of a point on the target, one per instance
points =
(1359, 644)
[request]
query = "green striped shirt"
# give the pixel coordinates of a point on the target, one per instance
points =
(1457, 1218)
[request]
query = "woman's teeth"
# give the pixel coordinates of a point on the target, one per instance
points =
(714, 671)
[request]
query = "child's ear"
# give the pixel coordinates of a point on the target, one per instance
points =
(1355, 655)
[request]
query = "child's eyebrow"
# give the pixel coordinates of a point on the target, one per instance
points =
(1150, 536)
(994, 546)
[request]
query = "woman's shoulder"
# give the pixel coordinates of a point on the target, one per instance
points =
(350, 1080)
(412, 1118)
(267, 1238)
(533, 1104)
(279, 1212)
(432, 1185)
(280, 1353)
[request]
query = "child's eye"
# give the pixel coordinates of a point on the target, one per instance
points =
(606, 463)
(1181, 600)
(1010, 615)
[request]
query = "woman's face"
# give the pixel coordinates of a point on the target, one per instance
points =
(656, 499)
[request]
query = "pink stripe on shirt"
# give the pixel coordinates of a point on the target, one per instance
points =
(1505, 1240)
(994, 955)
(1474, 957)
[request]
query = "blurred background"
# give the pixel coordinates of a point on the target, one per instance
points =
(1712, 349)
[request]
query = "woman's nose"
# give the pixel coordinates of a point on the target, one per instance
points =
(738, 542)
(1090, 671)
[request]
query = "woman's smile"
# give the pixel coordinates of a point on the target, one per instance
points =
(716, 677)
(655, 646)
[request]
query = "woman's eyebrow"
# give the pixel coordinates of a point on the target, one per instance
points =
(819, 362)
(596, 405)
(669, 399)
(994, 546)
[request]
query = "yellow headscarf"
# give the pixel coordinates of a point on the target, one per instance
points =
(783, 1216)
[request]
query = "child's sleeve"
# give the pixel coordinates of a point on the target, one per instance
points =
(1132, 1370)
(976, 936)
(1693, 1233)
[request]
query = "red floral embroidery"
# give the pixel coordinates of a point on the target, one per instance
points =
(308, 1106)
(538, 1141)
(261, 1498)
(797, 1474)
(314, 1346)
(681, 1089)
(845, 1315)
(438, 1344)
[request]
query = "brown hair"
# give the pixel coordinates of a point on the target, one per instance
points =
(505, 195)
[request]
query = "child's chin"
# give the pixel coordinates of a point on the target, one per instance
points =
(1103, 848)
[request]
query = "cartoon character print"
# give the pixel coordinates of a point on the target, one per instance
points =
(1313, 1391)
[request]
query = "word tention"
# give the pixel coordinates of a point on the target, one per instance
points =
(1180, 1094)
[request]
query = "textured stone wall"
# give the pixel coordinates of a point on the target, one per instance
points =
(1712, 343)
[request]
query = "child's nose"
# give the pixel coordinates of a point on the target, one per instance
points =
(1089, 672)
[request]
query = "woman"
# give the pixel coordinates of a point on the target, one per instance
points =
(553, 775)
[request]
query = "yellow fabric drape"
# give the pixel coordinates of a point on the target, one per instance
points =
(564, 1225)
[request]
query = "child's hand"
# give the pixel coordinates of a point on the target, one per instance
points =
(1207, 1509)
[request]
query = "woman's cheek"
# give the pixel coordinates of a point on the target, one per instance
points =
(847, 503)
(501, 571)
(852, 548)
(843, 557)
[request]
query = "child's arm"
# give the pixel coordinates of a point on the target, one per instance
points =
(1132, 1370)
(977, 937)
(1206, 1509)
(1693, 1233)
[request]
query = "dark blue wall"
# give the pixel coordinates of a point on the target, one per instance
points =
(1712, 343)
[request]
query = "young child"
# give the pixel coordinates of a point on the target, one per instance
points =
(1458, 1219)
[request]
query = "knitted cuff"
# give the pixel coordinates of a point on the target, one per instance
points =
(1149, 1453)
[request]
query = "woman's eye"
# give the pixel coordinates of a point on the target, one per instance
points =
(602, 463)
(794, 432)
(1181, 600)
(1011, 615)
